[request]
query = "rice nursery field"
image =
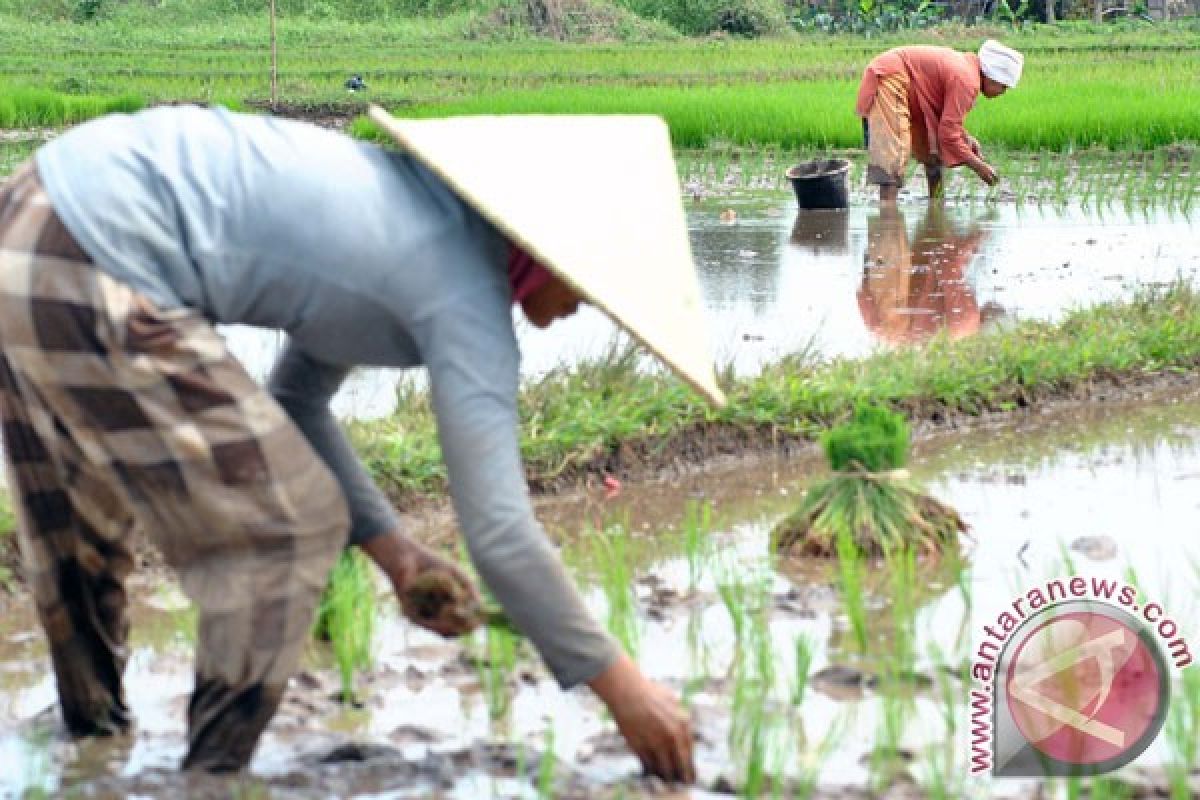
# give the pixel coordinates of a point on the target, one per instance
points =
(1132, 90)
(852, 676)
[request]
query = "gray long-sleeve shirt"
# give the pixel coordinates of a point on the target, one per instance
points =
(364, 258)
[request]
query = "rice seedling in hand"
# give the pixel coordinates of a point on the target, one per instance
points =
(869, 499)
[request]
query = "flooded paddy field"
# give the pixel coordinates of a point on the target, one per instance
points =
(803, 678)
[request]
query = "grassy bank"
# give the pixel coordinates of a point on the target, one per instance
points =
(611, 416)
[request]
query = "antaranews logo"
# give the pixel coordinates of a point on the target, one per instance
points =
(1071, 680)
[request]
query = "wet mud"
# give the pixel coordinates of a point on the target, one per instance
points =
(459, 719)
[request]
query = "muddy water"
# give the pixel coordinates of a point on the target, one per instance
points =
(1125, 478)
(776, 282)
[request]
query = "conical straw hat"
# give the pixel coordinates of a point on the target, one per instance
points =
(593, 198)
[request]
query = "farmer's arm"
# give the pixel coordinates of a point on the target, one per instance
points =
(472, 358)
(954, 143)
(305, 387)
(471, 353)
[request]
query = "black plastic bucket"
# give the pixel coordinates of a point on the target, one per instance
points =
(821, 183)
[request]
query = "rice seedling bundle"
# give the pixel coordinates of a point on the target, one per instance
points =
(869, 506)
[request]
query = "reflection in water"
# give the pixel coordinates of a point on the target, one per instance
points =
(737, 261)
(822, 231)
(913, 288)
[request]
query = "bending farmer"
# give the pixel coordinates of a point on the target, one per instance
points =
(913, 101)
(124, 240)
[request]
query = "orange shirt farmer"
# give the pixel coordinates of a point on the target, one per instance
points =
(913, 101)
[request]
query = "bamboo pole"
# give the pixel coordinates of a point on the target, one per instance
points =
(274, 62)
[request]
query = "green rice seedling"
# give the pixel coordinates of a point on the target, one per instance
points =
(522, 761)
(885, 760)
(804, 651)
(1183, 733)
(1067, 561)
(851, 570)
(8, 525)
(697, 523)
(734, 593)
(753, 682)
(805, 785)
(545, 780)
(949, 690)
(754, 769)
(1105, 787)
(937, 768)
(250, 789)
(874, 440)
(496, 666)
(346, 615)
(616, 577)
(698, 651)
(901, 567)
(868, 500)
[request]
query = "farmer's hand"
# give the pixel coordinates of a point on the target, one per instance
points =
(651, 718)
(973, 143)
(434, 592)
(985, 172)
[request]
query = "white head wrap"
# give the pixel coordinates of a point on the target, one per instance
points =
(1000, 63)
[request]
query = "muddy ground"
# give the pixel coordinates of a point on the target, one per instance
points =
(423, 728)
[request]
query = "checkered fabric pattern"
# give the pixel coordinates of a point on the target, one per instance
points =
(117, 414)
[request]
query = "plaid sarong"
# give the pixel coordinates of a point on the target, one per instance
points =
(117, 414)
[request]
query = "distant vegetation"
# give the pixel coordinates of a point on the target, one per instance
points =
(574, 17)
